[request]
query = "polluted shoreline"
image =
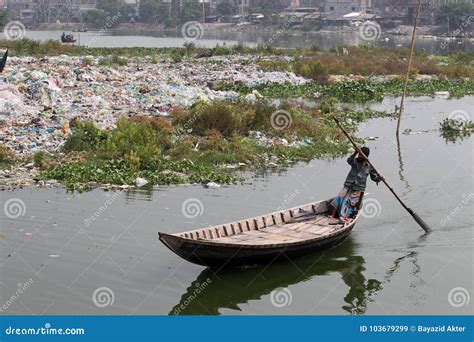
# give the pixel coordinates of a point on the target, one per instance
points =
(185, 117)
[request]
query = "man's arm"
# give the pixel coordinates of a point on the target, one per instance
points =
(351, 159)
(375, 177)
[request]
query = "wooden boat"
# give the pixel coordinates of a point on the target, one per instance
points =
(285, 234)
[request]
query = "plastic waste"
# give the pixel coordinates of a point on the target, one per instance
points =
(38, 98)
(139, 182)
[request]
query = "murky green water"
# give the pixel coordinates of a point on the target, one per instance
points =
(324, 40)
(386, 266)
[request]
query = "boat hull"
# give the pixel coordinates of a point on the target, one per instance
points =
(222, 256)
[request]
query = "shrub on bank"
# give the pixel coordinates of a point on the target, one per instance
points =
(378, 61)
(274, 65)
(221, 116)
(159, 124)
(138, 143)
(313, 69)
(226, 119)
(208, 141)
(44, 160)
(85, 136)
(261, 118)
(6, 156)
(113, 61)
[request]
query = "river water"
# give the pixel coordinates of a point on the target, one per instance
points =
(324, 40)
(386, 266)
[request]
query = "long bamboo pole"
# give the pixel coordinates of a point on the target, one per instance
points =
(415, 216)
(410, 58)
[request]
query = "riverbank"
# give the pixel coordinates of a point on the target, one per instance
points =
(89, 118)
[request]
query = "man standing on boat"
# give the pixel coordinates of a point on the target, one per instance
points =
(349, 198)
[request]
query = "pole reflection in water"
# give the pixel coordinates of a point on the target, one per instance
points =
(402, 167)
(229, 288)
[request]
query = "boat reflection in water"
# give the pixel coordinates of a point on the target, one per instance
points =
(227, 289)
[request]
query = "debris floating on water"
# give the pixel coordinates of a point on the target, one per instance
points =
(210, 185)
(140, 182)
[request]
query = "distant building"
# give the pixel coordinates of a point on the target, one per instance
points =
(48, 10)
(438, 3)
(52, 8)
(301, 14)
(341, 6)
(18, 5)
(405, 10)
(246, 6)
(303, 3)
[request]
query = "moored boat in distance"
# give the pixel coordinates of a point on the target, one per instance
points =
(285, 234)
(82, 29)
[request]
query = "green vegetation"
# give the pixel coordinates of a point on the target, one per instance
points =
(274, 65)
(453, 129)
(198, 145)
(226, 7)
(318, 65)
(6, 157)
(113, 60)
(3, 14)
(44, 160)
(86, 136)
(357, 91)
(457, 15)
(379, 61)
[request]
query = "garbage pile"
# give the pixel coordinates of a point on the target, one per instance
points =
(38, 97)
(266, 141)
